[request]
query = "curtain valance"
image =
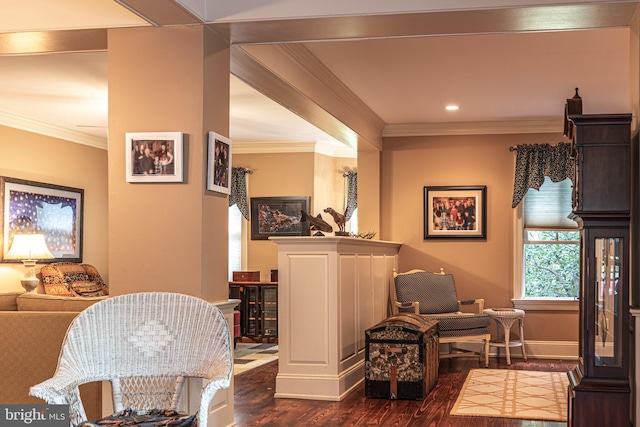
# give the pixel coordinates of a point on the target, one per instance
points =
(535, 161)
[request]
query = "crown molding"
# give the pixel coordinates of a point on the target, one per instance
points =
(316, 69)
(29, 125)
(551, 125)
(276, 147)
(162, 12)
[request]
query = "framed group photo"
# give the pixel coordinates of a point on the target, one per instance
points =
(154, 157)
(36, 207)
(455, 212)
(219, 163)
(277, 216)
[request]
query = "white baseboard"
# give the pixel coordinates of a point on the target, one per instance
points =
(562, 350)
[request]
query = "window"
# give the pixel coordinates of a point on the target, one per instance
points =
(235, 240)
(352, 225)
(547, 257)
(551, 263)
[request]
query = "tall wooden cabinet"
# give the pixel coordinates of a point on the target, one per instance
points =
(600, 387)
(258, 308)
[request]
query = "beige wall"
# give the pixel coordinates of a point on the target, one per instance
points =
(41, 158)
(167, 236)
(483, 269)
(292, 174)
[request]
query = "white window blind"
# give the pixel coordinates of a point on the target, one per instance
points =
(548, 208)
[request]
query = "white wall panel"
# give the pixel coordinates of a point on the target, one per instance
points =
(331, 289)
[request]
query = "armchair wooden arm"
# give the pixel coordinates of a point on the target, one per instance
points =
(416, 305)
(478, 301)
(404, 305)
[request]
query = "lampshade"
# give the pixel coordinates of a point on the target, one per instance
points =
(29, 246)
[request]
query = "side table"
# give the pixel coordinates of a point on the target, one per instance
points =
(505, 317)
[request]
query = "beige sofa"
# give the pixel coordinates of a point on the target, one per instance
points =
(32, 327)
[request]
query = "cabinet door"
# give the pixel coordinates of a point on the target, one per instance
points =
(606, 302)
(237, 292)
(252, 307)
(269, 311)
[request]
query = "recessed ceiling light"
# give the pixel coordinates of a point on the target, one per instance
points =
(452, 107)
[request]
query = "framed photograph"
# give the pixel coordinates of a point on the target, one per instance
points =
(52, 210)
(219, 163)
(455, 212)
(154, 157)
(277, 216)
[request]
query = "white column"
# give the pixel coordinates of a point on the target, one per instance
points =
(221, 407)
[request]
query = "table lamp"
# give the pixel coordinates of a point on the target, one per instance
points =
(29, 248)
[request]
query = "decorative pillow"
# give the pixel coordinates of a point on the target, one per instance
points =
(71, 279)
(86, 288)
(436, 293)
(95, 277)
(54, 280)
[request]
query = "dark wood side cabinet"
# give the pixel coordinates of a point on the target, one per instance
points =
(600, 387)
(258, 308)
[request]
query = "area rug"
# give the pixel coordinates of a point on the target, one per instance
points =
(506, 393)
(247, 356)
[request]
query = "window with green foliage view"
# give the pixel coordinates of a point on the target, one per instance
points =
(551, 263)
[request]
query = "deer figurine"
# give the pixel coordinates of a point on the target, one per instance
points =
(339, 218)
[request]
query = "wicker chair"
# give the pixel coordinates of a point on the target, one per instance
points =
(146, 344)
(433, 295)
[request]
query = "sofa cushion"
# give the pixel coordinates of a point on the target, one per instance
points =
(29, 301)
(71, 279)
(8, 301)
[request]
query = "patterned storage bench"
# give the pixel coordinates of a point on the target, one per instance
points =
(401, 357)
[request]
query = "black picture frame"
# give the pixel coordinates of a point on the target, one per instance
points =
(36, 207)
(455, 212)
(277, 216)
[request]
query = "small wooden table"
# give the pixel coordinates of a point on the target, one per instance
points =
(505, 317)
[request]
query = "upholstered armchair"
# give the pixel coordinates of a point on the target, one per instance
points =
(434, 296)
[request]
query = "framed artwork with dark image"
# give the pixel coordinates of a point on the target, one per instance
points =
(55, 211)
(455, 212)
(219, 163)
(277, 216)
(154, 157)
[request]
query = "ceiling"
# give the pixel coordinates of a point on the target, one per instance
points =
(500, 80)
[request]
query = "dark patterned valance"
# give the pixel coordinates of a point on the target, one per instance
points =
(352, 192)
(535, 161)
(238, 194)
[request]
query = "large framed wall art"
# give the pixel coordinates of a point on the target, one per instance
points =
(36, 207)
(455, 212)
(277, 216)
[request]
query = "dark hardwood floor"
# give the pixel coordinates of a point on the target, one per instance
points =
(256, 406)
